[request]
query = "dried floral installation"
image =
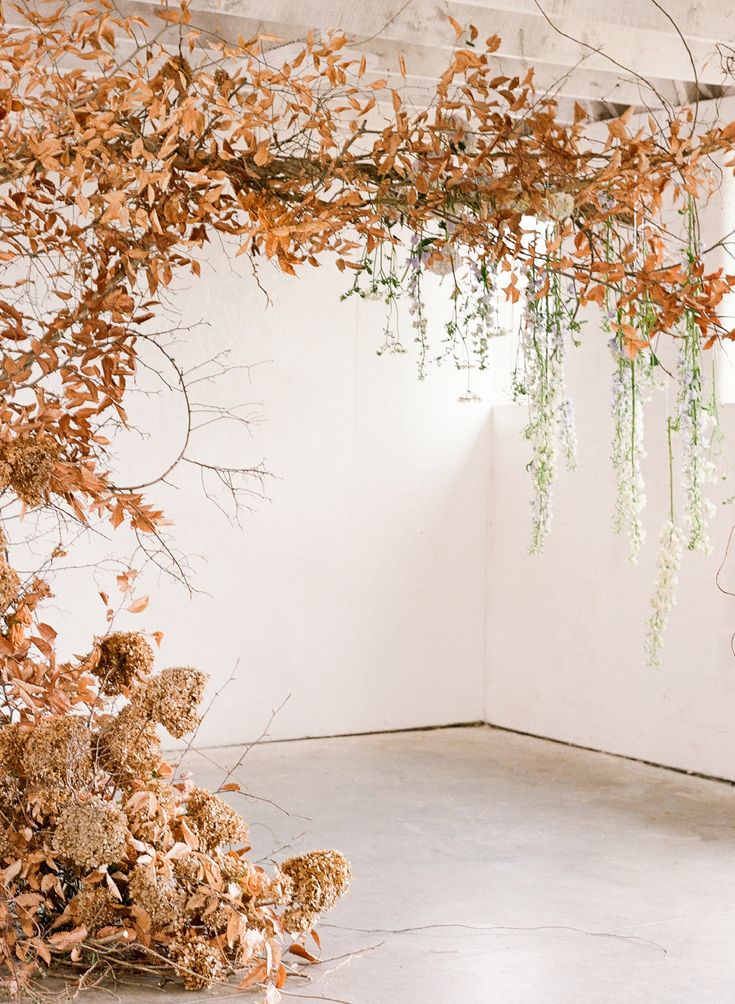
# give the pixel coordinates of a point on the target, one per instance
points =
(125, 148)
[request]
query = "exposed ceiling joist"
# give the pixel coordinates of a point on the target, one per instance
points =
(593, 43)
(699, 20)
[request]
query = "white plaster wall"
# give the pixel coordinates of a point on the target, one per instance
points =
(358, 589)
(566, 630)
(386, 583)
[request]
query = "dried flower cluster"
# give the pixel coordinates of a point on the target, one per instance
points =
(317, 880)
(123, 659)
(27, 466)
(100, 845)
(91, 834)
(9, 580)
(172, 699)
(214, 822)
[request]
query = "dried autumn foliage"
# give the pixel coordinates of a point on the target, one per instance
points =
(124, 147)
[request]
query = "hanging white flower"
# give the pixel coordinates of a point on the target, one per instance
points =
(559, 205)
(441, 264)
(664, 597)
(551, 427)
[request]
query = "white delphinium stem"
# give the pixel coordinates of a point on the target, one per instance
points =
(630, 381)
(696, 418)
(416, 307)
(664, 597)
(696, 424)
(550, 412)
(479, 306)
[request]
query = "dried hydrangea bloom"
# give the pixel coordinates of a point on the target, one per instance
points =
(237, 870)
(124, 658)
(198, 963)
(172, 699)
(128, 747)
(57, 757)
(9, 585)
(161, 898)
(31, 464)
(189, 871)
(13, 738)
(6, 473)
(319, 879)
(216, 917)
(6, 847)
(12, 788)
(12, 800)
(91, 834)
(214, 822)
(94, 907)
(57, 762)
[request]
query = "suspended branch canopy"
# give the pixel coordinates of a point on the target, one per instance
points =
(125, 148)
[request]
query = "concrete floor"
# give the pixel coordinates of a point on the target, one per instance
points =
(493, 868)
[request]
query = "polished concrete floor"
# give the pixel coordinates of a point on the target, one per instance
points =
(493, 868)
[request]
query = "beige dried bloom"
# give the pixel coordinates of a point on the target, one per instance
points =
(12, 788)
(57, 756)
(319, 879)
(6, 847)
(189, 871)
(129, 748)
(160, 897)
(91, 834)
(94, 907)
(9, 585)
(124, 658)
(198, 963)
(31, 467)
(216, 917)
(13, 739)
(235, 869)
(172, 699)
(214, 821)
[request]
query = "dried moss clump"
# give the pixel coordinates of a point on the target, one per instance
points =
(319, 879)
(215, 823)
(172, 699)
(124, 659)
(91, 834)
(28, 466)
